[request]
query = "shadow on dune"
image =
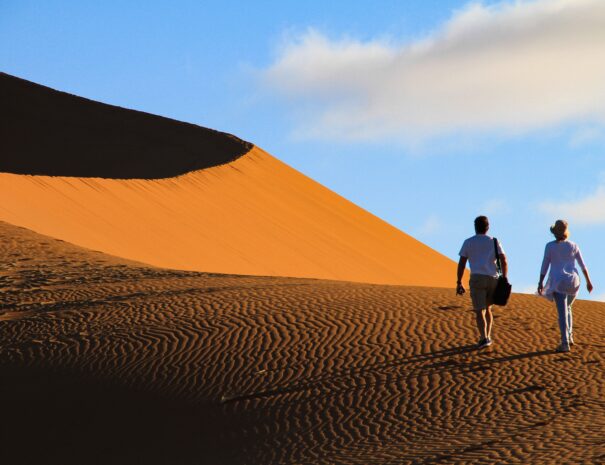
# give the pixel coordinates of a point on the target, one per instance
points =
(58, 418)
(48, 132)
(365, 376)
(482, 364)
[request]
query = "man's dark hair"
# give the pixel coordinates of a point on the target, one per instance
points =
(481, 224)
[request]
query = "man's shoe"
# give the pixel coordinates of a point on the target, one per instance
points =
(563, 348)
(483, 343)
(570, 339)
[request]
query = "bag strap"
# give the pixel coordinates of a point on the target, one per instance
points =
(498, 266)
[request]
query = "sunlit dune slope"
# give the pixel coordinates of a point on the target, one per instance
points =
(253, 216)
(104, 361)
(246, 214)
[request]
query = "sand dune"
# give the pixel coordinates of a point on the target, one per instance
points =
(108, 361)
(251, 215)
(53, 133)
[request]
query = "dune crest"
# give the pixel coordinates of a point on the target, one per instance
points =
(47, 132)
(176, 195)
(255, 215)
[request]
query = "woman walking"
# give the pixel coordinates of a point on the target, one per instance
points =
(563, 281)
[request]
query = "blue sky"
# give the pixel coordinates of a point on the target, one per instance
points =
(425, 112)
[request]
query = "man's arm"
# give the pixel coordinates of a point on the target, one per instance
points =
(504, 265)
(460, 274)
(543, 269)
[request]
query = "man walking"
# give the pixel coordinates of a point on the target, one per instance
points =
(480, 252)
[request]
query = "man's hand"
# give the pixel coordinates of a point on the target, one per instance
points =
(460, 273)
(540, 288)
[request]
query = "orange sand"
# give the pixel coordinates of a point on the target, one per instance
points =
(104, 361)
(235, 210)
(255, 215)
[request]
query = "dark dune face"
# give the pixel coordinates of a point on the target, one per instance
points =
(105, 361)
(47, 132)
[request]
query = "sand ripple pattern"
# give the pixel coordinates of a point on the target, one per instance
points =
(200, 368)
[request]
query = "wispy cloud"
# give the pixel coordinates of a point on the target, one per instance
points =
(589, 135)
(431, 225)
(511, 67)
(496, 207)
(588, 210)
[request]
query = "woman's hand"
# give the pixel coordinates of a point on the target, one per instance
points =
(588, 281)
(540, 288)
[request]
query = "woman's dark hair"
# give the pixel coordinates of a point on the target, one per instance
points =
(481, 224)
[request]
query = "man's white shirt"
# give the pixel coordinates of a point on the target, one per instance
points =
(481, 254)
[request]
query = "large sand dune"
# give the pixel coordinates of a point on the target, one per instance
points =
(44, 131)
(245, 214)
(108, 361)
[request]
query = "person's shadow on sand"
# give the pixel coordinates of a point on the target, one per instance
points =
(442, 360)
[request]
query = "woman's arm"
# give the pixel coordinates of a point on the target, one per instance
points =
(541, 284)
(580, 261)
(589, 285)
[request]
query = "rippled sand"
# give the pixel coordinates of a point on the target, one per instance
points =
(108, 361)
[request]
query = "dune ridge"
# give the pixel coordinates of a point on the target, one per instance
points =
(109, 361)
(48, 132)
(253, 216)
(209, 201)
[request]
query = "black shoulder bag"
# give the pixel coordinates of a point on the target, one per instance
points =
(503, 288)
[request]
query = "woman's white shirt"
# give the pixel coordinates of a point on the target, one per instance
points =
(561, 257)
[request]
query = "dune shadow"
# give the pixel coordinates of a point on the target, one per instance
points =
(48, 132)
(61, 418)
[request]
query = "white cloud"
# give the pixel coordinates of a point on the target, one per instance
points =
(430, 226)
(510, 67)
(586, 211)
(496, 207)
(587, 136)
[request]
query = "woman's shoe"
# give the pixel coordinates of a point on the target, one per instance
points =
(570, 339)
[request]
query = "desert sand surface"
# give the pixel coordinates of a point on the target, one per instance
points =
(104, 361)
(244, 213)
